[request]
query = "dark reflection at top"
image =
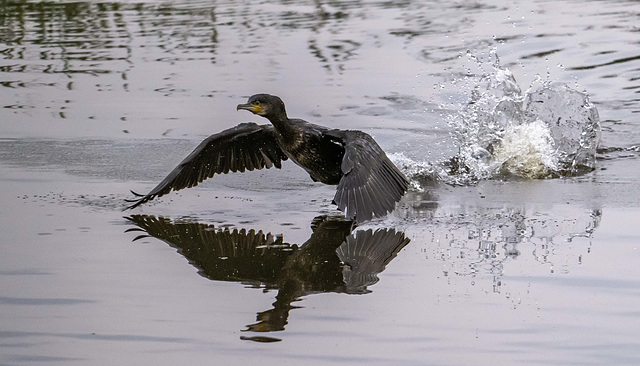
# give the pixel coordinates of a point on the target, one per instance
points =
(102, 37)
(99, 37)
(333, 259)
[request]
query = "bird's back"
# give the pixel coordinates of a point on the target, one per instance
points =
(316, 152)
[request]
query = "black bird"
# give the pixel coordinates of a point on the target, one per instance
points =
(369, 185)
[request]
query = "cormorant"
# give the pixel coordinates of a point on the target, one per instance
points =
(369, 185)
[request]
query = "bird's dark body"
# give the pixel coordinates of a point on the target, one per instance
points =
(312, 149)
(369, 184)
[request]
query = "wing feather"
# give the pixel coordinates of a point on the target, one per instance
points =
(371, 185)
(247, 146)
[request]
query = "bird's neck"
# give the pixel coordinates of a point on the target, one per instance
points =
(284, 126)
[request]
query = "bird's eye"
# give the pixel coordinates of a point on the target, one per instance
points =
(257, 103)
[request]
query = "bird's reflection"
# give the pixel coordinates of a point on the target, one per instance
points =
(334, 259)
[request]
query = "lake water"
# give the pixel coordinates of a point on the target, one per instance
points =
(102, 97)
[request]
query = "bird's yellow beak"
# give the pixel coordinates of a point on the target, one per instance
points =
(255, 109)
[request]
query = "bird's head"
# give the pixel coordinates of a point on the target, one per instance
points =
(265, 105)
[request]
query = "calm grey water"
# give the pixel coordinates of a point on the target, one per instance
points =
(102, 97)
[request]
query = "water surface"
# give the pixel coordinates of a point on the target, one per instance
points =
(102, 97)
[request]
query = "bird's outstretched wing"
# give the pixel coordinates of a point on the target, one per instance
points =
(247, 146)
(371, 185)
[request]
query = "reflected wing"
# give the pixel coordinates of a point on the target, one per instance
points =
(371, 184)
(225, 255)
(365, 254)
(247, 146)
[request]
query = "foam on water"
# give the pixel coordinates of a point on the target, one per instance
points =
(549, 131)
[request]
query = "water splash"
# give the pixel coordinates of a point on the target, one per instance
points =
(548, 131)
